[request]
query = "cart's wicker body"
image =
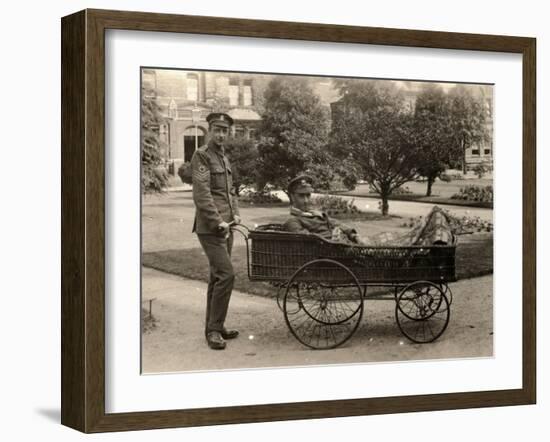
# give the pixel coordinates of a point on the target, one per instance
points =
(276, 256)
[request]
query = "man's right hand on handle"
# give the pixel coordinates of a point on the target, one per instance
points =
(223, 227)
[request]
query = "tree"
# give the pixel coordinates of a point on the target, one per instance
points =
(372, 127)
(433, 133)
(153, 175)
(243, 155)
(293, 134)
(469, 120)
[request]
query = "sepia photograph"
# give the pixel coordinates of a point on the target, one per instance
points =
(302, 220)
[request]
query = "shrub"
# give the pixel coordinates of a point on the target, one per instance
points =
(459, 225)
(475, 193)
(451, 176)
(467, 224)
(402, 191)
(258, 198)
(185, 174)
(154, 179)
(480, 170)
(335, 205)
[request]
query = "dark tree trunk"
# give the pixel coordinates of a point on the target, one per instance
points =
(464, 171)
(385, 205)
(430, 183)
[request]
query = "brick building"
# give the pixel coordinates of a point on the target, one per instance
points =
(187, 97)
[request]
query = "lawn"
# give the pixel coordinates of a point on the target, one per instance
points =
(169, 245)
(441, 192)
(474, 257)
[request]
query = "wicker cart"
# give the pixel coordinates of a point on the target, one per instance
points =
(323, 284)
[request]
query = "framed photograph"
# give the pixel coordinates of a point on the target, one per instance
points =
(236, 194)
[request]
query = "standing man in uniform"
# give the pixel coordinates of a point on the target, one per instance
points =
(216, 207)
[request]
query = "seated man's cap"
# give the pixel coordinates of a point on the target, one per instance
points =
(219, 119)
(301, 184)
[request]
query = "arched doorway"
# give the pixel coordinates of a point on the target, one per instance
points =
(193, 138)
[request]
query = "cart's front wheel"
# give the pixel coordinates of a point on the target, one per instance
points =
(422, 312)
(448, 293)
(323, 304)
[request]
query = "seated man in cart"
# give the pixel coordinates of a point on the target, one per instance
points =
(305, 219)
(433, 230)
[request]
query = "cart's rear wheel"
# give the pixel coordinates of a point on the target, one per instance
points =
(422, 311)
(323, 315)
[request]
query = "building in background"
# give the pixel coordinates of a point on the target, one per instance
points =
(187, 97)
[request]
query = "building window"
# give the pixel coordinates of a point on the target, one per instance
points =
(233, 95)
(252, 134)
(487, 151)
(475, 151)
(247, 93)
(192, 87)
(233, 92)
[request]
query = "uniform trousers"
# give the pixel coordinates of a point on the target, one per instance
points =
(220, 283)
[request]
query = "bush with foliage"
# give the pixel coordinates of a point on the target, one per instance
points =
(258, 198)
(447, 177)
(402, 191)
(185, 173)
(468, 224)
(480, 170)
(335, 205)
(153, 173)
(459, 225)
(475, 193)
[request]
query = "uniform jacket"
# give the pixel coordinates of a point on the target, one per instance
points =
(213, 192)
(316, 222)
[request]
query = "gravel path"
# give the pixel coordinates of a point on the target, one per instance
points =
(177, 342)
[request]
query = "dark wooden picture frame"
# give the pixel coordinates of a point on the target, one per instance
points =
(83, 220)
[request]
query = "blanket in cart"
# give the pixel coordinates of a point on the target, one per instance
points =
(433, 229)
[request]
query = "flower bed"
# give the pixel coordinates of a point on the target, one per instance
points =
(475, 193)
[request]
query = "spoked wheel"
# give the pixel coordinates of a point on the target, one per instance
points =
(280, 295)
(323, 315)
(422, 312)
(448, 293)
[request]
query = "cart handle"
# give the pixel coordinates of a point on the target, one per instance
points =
(241, 228)
(244, 231)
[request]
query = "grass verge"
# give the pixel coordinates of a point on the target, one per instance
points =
(424, 199)
(474, 257)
